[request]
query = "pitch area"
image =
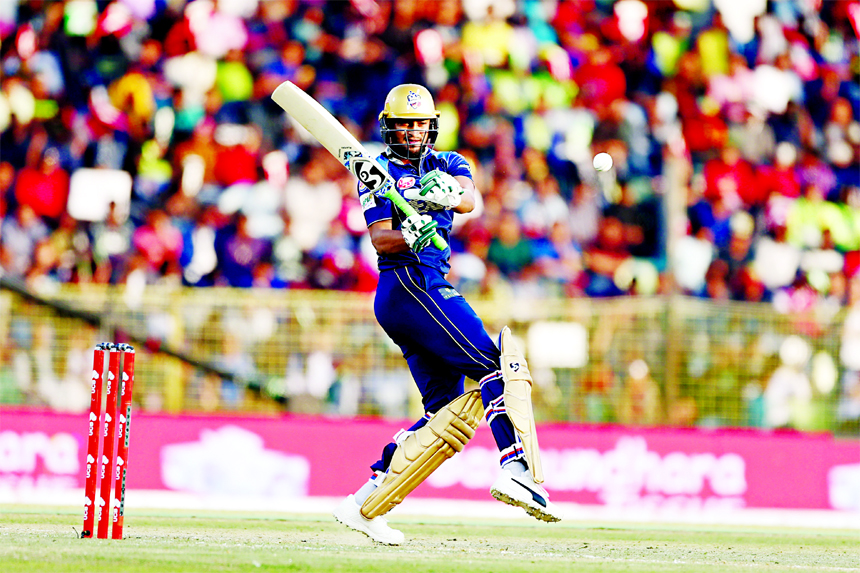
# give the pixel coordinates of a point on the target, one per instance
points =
(44, 539)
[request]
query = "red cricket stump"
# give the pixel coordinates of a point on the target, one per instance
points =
(123, 435)
(108, 441)
(109, 437)
(93, 441)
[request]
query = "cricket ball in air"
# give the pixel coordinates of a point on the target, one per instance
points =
(602, 162)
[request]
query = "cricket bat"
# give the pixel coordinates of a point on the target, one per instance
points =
(342, 144)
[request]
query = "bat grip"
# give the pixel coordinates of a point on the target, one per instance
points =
(408, 210)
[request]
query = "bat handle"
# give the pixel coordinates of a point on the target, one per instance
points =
(408, 210)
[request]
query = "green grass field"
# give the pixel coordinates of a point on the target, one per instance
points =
(46, 540)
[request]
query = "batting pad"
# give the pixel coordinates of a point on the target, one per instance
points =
(418, 456)
(518, 400)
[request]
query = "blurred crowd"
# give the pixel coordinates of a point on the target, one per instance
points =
(139, 145)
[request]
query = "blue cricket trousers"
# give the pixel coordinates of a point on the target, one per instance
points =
(443, 341)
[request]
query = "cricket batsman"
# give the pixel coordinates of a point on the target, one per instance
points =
(441, 337)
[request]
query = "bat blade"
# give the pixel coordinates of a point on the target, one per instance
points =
(321, 124)
(332, 135)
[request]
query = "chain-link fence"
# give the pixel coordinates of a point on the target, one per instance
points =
(638, 361)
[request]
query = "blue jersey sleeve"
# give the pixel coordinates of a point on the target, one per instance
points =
(454, 164)
(375, 208)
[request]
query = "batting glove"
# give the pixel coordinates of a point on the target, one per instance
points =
(439, 188)
(418, 230)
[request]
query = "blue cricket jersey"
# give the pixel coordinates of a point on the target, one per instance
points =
(408, 176)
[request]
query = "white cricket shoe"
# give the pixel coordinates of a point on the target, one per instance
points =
(522, 491)
(349, 514)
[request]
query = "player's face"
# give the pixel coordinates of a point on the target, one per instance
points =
(412, 133)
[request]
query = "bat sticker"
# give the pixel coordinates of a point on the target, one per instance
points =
(368, 172)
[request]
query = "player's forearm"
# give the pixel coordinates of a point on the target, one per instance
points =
(388, 241)
(467, 199)
(467, 203)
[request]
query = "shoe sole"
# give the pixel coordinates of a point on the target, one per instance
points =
(369, 536)
(535, 512)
